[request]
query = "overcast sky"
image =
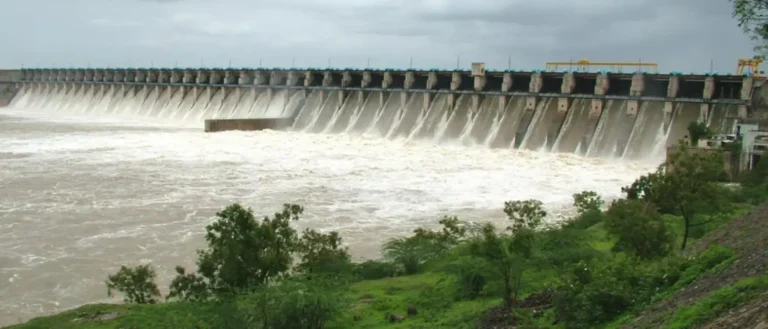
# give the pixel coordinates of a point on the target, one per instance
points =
(680, 35)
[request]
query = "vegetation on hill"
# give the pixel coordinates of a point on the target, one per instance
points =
(599, 269)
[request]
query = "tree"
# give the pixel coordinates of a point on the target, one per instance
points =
(322, 254)
(408, 252)
(586, 201)
(752, 16)
(696, 131)
(188, 286)
(137, 284)
(689, 184)
(243, 253)
(639, 228)
(508, 254)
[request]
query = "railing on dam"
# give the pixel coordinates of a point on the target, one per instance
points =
(639, 86)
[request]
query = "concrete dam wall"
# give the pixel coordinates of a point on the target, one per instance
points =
(616, 115)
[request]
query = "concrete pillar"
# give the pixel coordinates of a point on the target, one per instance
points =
(152, 75)
(244, 78)
(176, 76)
(367, 78)
(410, 78)
(293, 78)
(708, 92)
(309, 77)
(277, 78)
(455, 80)
(346, 79)
(215, 77)
(130, 76)
(746, 88)
(118, 76)
(89, 75)
(566, 87)
(534, 87)
(431, 80)
(601, 87)
(98, 75)
(387, 80)
(141, 76)
(187, 77)
(109, 75)
(70, 75)
(327, 79)
(506, 85)
(261, 78)
(672, 88)
(636, 89)
(202, 77)
(478, 75)
(455, 84)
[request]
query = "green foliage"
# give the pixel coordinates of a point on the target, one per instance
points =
(718, 302)
(412, 252)
(188, 286)
(525, 214)
(751, 15)
(470, 273)
(374, 270)
(587, 201)
(322, 254)
(691, 185)
(696, 131)
(563, 247)
(639, 229)
(137, 284)
(244, 253)
(585, 220)
(297, 304)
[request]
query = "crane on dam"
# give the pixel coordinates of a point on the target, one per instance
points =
(750, 65)
(584, 65)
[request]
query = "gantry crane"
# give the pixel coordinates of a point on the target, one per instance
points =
(751, 65)
(584, 65)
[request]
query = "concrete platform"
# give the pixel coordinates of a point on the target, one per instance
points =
(218, 125)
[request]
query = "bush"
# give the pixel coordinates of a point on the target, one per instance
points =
(137, 284)
(470, 274)
(639, 229)
(374, 270)
(585, 220)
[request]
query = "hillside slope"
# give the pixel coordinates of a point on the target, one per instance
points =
(747, 236)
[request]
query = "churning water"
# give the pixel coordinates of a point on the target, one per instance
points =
(91, 183)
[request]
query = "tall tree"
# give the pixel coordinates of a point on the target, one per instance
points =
(753, 19)
(690, 184)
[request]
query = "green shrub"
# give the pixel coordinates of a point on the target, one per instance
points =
(374, 270)
(137, 284)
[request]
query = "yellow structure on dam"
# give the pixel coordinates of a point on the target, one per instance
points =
(584, 65)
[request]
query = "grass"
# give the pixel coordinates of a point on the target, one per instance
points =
(718, 303)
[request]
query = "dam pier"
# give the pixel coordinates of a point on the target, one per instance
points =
(626, 115)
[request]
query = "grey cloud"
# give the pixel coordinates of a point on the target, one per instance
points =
(679, 35)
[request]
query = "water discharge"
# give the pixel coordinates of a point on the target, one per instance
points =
(94, 177)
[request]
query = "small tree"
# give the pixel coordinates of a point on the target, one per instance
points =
(509, 253)
(696, 131)
(322, 254)
(243, 253)
(639, 228)
(525, 214)
(137, 284)
(188, 286)
(408, 252)
(587, 201)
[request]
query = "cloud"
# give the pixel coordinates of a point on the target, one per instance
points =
(679, 35)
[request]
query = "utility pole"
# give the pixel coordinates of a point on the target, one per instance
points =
(411, 65)
(458, 62)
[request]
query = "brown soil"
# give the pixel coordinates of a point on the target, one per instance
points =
(747, 236)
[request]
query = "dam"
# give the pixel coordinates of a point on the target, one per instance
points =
(596, 114)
